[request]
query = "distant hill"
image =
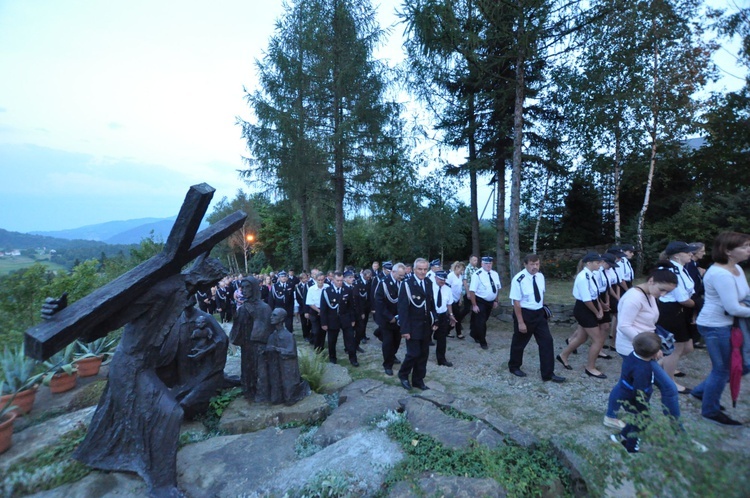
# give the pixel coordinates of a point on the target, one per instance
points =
(16, 240)
(119, 232)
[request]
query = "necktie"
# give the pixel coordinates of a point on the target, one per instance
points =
(492, 282)
(537, 295)
(439, 299)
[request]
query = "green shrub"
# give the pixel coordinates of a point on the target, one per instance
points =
(312, 367)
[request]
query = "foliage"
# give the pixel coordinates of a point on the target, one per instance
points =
(312, 367)
(305, 445)
(8, 405)
(521, 471)
(328, 484)
(104, 346)
(669, 463)
(61, 362)
(87, 395)
(47, 468)
(19, 371)
(219, 403)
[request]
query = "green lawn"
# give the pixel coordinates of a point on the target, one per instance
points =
(8, 264)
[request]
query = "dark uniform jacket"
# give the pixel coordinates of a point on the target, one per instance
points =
(300, 294)
(336, 309)
(386, 300)
(281, 297)
(416, 308)
(361, 297)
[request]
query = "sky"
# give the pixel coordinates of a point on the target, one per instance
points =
(111, 110)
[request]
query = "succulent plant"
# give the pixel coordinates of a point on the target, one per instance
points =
(18, 370)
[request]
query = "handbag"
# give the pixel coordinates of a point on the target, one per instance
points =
(667, 340)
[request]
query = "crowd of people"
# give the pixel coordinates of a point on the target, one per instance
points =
(652, 325)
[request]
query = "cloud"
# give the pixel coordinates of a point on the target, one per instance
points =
(3, 109)
(114, 126)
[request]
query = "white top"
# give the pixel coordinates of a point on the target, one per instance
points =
(613, 277)
(636, 313)
(685, 286)
(313, 295)
(627, 270)
(584, 287)
(522, 290)
(456, 284)
(447, 297)
(601, 279)
(724, 292)
(481, 286)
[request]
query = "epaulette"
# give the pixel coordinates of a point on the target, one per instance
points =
(478, 272)
(521, 277)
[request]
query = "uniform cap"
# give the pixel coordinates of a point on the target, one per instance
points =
(616, 251)
(282, 273)
(435, 262)
(388, 265)
(348, 273)
(676, 247)
(610, 258)
(442, 274)
(487, 259)
(591, 256)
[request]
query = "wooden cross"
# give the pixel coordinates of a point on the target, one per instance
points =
(82, 318)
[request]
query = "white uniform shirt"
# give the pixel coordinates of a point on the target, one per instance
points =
(627, 270)
(446, 297)
(481, 286)
(584, 287)
(522, 290)
(685, 286)
(600, 278)
(313, 295)
(456, 284)
(613, 277)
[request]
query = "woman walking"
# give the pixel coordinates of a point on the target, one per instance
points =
(726, 289)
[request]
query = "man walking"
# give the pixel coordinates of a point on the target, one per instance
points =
(416, 313)
(337, 314)
(483, 294)
(529, 318)
(386, 309)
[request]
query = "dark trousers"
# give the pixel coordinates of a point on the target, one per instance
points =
(479, 320)
(537, 326)
(444, 327)
(360, 327)
(391, 337)
(460, 310)
(317, 334)
(415, 362)
(289, 320)
(306, 326)
(349, 347)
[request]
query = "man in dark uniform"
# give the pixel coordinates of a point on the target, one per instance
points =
(386, 309)
(416, 316)
(300, 294)
(281, 295)
(362, 305)
(375, 284)
(337, 314)
(530, 319)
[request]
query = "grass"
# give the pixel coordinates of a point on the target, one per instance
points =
(8, 265)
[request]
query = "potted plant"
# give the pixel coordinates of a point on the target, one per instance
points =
(92, 354)
(62, 372)
(7, 415)
(20, 379)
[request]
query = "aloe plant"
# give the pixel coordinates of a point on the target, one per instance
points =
(100, 347)
(18, 370)
(61, 362)
(8, 406)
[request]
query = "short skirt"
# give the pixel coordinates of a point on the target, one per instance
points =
(584, 316)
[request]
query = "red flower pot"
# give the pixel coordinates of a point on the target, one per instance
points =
(88, 367)
(6, 431)
(62, 382)
(24, 400)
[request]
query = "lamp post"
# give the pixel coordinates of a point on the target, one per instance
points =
(247, 247)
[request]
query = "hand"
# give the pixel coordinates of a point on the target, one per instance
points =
(406, 336)
(453, 320)
(605, 307)
(324, 327)
(307, 315)
(522, 328)
(434, 327)
(599, 315)
(475, 308)
(393, 320)
(495, 304)
(52, 306)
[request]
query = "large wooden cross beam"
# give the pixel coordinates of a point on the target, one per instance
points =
(82, 318)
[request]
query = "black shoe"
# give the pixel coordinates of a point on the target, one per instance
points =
(396, 361)
(422, 387)
(333, 360)
(518, 372)
(556, 379)
(445, 363)
(388, 371)
(600, 376)
(699, 345)
(484, 346)
(365, 339)
(722, 419)
(605, 356)
(700, 398)
(567, 367)
(432, 343)
(405, 384)
(460, 336)
(679, 374)
(687, 390)
(360, 350)
(354, 362)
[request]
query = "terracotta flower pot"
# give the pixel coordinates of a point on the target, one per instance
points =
(24, 400)
(6, 431)
(62, 382)
(88, 367)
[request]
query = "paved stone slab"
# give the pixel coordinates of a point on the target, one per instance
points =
(335, 378)
(241, 416)
(100, 485)
(359, 403)
(448, 486)
(230, 466)
(364, 458)
(452, 432)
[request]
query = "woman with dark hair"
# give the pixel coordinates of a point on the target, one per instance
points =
(726, 289)
(587, 312)
(676, 307)
(638, 313)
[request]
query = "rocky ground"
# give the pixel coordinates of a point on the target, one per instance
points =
(521, 409)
